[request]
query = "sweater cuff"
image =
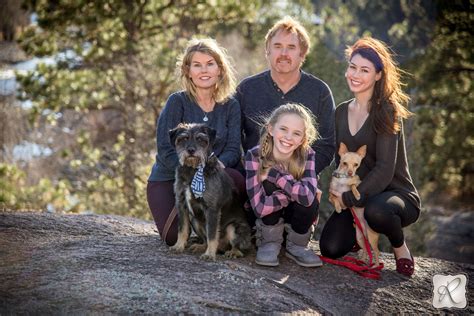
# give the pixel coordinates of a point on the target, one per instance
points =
(349, 199)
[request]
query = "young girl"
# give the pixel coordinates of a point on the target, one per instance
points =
(207, 79)
(374, 118)
(281, 185)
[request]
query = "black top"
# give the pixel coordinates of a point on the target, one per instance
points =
(385, 166)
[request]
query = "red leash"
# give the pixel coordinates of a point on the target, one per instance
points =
(358, 266)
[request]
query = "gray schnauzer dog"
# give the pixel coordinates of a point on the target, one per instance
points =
(205, 196)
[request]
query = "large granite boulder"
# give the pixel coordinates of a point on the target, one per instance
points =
(96, 264)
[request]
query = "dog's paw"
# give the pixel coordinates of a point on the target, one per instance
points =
(198, 248)
(208, 257)
(233, 254)
(177, 248)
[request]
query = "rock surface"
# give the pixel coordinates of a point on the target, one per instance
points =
(453, 238)
(63, 264)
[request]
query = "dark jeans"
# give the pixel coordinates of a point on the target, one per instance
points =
(386, 213)
(298, 216)
(161, 200)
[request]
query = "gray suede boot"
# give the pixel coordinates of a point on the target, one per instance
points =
(297, 248)
(268, 239)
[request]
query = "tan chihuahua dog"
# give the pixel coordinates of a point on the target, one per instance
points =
(344, 178)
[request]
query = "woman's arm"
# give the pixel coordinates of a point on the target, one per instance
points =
(262, 204)
(230, 155)
(300, 191)
(169, 118)
(381, 175)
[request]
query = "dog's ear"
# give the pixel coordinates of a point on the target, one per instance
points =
(362, 151)
(212, 134)
(342, 149)
(174, 133)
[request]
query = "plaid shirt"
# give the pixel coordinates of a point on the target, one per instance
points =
(290, 190)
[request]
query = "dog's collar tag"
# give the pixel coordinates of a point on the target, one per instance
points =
(198, 185)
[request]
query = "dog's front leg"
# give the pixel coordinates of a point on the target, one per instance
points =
(212, 234)
(354, 182)
(183, 227)
(355, 191)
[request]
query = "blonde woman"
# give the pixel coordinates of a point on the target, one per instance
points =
(282, 187)
(208, 83)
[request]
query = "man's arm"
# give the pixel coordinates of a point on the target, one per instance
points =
(325, 146)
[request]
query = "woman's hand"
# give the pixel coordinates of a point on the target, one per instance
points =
(338, 195)
(319, 193)
(221, 164)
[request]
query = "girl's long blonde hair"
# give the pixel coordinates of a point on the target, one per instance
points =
(296, 165)
(388, 103)
(225, 86)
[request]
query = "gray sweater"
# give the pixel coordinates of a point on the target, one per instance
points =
(259, 95)
(385, 166)
(180, 108)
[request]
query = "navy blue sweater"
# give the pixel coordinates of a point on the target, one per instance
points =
(259, 95)
(180, 108)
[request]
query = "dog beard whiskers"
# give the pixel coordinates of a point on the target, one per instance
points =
(192, 161)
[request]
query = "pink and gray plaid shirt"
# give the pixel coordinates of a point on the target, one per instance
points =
(301, 191)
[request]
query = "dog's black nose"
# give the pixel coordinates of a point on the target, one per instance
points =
(191, 151)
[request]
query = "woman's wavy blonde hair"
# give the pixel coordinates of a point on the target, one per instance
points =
(388, 103)
(225, 86)
(296, 165)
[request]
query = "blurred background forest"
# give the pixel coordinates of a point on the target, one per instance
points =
(83, 82)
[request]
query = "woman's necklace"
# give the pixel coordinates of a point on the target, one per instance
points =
(205, 118)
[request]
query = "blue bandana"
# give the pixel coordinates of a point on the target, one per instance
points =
(198, 185)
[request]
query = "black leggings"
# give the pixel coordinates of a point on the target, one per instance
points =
(385, 213)
(298, 216)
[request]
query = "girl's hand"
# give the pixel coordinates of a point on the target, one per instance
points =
(338, 195)
(264, 174)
